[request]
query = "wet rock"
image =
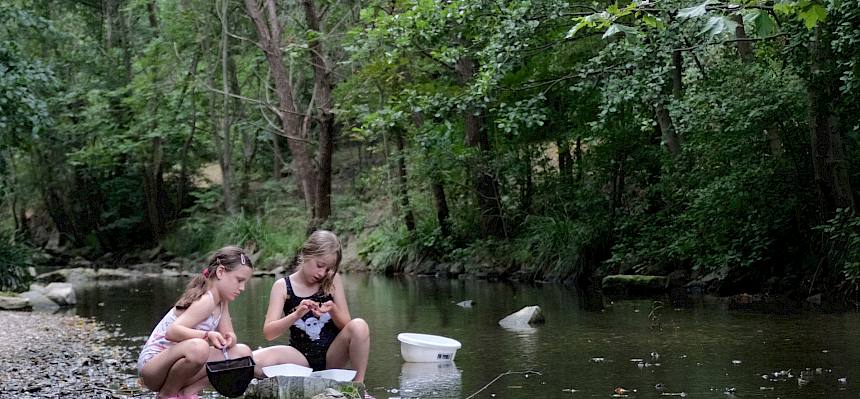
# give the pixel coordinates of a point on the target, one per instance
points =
(151, 267)
(61, 293)
(466, 304)
(523, 318)
(39, 301)
(14, 303)
(74, 276)
(115, 274)
(282, 387)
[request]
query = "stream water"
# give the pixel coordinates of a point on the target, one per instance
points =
(589, 347)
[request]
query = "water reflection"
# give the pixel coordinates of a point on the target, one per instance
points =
(430, 380)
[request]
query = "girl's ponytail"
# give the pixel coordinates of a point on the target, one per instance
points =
(229, 257)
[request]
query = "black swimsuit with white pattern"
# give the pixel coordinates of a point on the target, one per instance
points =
(311, 335)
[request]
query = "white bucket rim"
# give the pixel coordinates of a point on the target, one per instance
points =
(429, 341)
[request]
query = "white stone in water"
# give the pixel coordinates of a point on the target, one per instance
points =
(465, 304)
(523, 318)
(61, 293)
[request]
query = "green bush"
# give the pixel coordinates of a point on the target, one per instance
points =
(277, 233)
(842, 237)
(14, 260)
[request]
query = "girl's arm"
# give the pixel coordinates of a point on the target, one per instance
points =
(183, 327)
(225, 327)
(276, 323)
(339, 309)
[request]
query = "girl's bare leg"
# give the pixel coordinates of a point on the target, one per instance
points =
(170, 370)
(351, 346)
(278, 354)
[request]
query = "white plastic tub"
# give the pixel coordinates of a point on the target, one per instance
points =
(426, 348)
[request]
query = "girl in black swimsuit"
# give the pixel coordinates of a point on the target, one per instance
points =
(311, 304)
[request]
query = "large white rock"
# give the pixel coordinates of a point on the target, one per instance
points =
(14, 303)
(61, 293)
(39, 301)
(523, 318)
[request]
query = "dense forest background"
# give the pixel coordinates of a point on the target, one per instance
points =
(542, 139)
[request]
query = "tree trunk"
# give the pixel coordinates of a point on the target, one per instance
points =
(327, 127)
(269, 37)
(677, 74)
(439, 199)
(153, 184)
(527, 184)
(182, 190)
(565, 162)
(828, 161)
(486, 186)
(745, 49)
(667, 128)
(577, 156)
(224, 139)
(408, 216)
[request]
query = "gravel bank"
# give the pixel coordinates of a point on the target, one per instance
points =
(58, 356)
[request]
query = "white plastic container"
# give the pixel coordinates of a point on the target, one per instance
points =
(426, 348)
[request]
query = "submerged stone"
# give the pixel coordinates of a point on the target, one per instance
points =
(282, 387)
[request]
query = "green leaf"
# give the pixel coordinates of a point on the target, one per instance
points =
(654, 22)
(618, 28)
(764, 24)
(693, 12)
(784, 7)
(714, 26)
(812, 15)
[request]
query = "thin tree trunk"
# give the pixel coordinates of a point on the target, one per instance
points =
(440, 201)
(577, 156)
(667, 129)
(269, 37)
(677, 74)
(182, 190)
(486, 186)
(828, 160)
(527, 184)
(153, 185)
(327, 127)
(744, 46)
(565, 162)
(224, 139)
(408, 216)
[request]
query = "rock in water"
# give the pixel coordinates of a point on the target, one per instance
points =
(14, 303)
(282, 387)
(61, 293)
(523, 318)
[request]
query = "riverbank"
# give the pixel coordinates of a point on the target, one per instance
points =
(59, 356)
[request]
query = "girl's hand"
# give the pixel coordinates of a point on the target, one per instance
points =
(324, 307)
(304, 307)
(231, 339)
(216, 339)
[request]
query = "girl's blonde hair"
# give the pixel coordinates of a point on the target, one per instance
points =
(230, 257)
(321, 243)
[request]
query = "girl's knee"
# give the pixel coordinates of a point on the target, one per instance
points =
(241, 350)
(358, 327)
(197, 350)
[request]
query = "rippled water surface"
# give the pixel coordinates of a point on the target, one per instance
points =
(588, 347)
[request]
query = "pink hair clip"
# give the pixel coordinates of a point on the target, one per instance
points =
(206, 272)
(242, 258)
